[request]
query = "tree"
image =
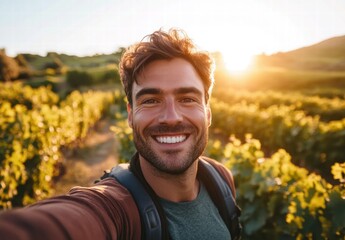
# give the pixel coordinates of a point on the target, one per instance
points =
(9, 68)
(55, 63)
(24, 67)
(78, 78)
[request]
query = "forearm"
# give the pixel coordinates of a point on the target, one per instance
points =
(101, 212)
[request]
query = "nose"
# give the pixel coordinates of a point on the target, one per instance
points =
(170, 114)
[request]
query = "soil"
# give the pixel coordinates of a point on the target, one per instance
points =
(85, 164)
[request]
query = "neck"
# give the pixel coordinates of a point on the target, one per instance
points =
(175, 188)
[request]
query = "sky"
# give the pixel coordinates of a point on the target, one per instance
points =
(238, 29)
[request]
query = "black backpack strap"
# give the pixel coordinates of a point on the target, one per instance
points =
(150, 220)
(221, 195)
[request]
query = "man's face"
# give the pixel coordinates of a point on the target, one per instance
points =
(169, 115)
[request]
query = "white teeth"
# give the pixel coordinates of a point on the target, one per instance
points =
(174, 139)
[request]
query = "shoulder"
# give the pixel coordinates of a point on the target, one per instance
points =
(225, 172)
(109, 205)
(116, 206)
(111, 196)
(108, 189)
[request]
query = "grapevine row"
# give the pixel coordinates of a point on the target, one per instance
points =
(31, 140)
(280, 200)
(312, 143)
(17, 93)
(327, 109)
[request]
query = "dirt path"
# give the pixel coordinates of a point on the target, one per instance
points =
(87, 163)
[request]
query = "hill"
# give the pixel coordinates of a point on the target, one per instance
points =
(53, 60)
(333, 48)
(328, 55)
(51, 69)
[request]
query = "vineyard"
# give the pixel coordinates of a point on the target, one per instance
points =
(285, 150)
(34, 126)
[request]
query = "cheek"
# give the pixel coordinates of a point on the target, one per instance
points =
(129, 115)
(209, 117)
(143, 117)
(197, 116)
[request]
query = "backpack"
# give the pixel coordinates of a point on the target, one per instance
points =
(151, 217)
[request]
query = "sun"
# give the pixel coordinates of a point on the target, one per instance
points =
(237, 62)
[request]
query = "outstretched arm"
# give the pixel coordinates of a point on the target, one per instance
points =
(105, 211)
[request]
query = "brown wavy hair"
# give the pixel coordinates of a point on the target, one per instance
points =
(162, 45)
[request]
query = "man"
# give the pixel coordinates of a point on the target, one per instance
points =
(168, 83)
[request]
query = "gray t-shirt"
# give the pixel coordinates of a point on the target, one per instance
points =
(198, 219)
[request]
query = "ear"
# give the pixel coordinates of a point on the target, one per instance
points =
(209, 115)
(129, 115)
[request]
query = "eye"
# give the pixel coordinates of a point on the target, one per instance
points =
(149, 101)
(188, 100)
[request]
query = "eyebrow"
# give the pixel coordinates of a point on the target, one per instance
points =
(188, 90)
(146, 91)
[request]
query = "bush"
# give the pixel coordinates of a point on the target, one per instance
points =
(314, 144)
(9, 69)
(77, 79)
(111, 76)
(280, 200)
(31, 138)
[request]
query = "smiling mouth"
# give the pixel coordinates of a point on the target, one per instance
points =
(171, 139)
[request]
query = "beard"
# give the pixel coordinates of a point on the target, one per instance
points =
(163, 161)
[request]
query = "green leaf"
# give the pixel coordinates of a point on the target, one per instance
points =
(257, 221)
(337, 206)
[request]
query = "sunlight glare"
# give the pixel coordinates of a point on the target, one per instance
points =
(237, 63)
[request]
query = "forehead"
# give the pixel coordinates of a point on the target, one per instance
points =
(168, 75)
